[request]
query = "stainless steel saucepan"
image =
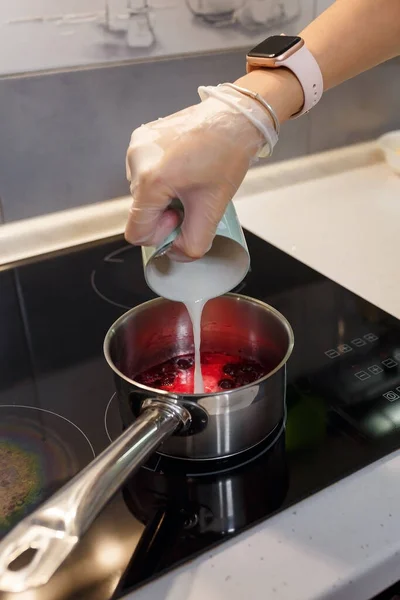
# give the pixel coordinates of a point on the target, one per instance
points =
(193, 427)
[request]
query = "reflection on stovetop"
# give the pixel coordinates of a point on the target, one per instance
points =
(184, 512)
(39, 452)
(58, 408)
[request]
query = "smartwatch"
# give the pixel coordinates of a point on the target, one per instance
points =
(289, 51)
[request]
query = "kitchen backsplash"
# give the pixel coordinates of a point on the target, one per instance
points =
(48, 34)
(64, 133)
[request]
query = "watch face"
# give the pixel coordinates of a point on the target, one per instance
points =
(274, 46)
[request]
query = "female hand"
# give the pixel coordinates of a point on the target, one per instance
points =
(199, 155)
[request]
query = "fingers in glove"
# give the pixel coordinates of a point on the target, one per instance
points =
(150, 220)
(200, 222)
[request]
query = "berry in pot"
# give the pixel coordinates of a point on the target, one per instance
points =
(226, 384)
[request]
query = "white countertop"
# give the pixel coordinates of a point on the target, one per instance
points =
(339, 212)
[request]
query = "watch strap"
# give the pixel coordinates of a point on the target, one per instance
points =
(304, 66)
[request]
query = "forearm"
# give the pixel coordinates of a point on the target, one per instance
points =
(350, 37)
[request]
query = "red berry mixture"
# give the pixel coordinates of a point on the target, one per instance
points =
(220, 372)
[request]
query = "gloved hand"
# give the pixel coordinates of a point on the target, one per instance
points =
(199, 155)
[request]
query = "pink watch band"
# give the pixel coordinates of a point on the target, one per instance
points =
(305, 67)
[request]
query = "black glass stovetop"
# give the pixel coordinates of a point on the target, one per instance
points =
(58, 410)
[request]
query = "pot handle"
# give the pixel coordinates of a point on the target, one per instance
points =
(47, 536)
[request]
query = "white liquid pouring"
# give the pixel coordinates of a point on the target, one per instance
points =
(195, 310)
(194, 283)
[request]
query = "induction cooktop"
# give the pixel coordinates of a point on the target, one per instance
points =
(58, 410)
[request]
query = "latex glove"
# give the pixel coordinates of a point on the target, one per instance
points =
(199, 155)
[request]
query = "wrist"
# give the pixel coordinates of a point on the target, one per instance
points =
(279, 87)
(240, 104)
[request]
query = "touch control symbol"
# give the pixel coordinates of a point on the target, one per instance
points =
(362, 375)
(375, 369)
(391, 396)
(389, 363)
(344, 348)
(332, 353)
(358, 342)
(371, 337)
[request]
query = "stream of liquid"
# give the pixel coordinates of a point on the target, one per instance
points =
(195, 310)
